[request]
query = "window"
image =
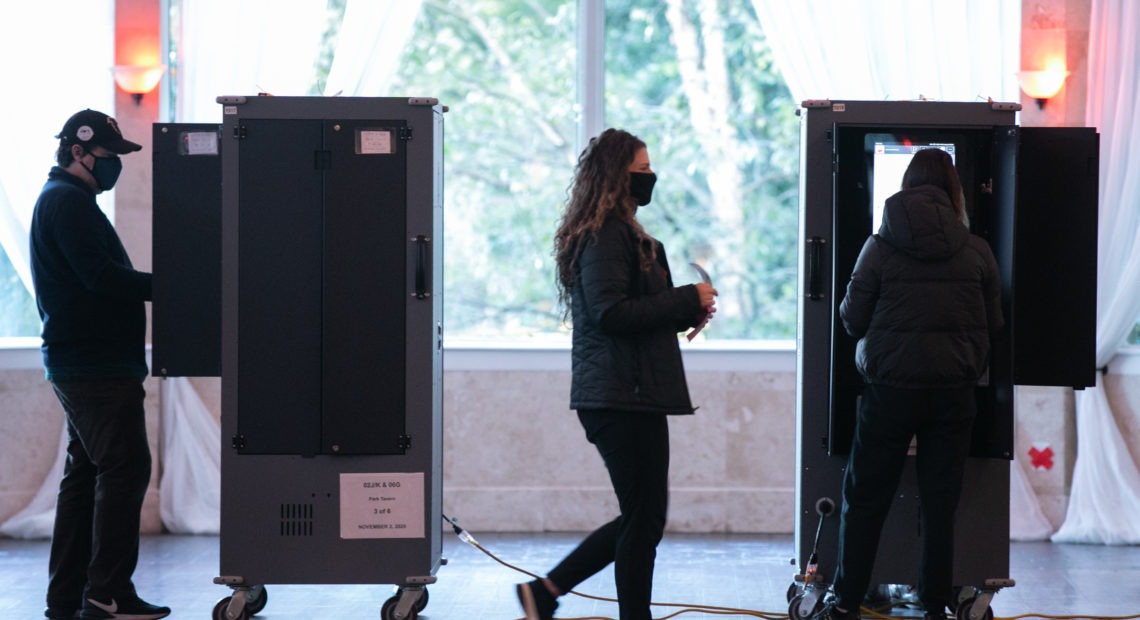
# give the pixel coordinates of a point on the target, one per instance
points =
(696, 83)
(506, 70)
(18, 317)
(698, 87)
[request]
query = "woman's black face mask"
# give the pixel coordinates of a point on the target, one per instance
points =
(641, 187)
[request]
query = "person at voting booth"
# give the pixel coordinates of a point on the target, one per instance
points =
(627, 373)
(91, 301)
(924, 300)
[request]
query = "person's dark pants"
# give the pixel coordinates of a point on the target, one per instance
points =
(635, 448)
(95, 544)
(887, 420)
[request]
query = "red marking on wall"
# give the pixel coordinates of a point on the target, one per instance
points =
(1041, 457)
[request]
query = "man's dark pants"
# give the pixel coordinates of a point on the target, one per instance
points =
(95, 544)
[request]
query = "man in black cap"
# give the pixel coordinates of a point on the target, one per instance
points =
(91, 301)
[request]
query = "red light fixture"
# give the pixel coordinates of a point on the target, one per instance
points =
(138, 80)
(1043, 63)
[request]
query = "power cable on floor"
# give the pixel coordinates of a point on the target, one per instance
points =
(684, 608)
(1073, 617)
(466, 537)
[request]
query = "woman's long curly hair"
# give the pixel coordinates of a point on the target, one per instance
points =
(600, 189)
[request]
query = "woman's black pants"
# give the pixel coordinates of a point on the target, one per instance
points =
(942, 420)
(635, 448)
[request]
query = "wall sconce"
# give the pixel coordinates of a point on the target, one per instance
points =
(138, 80)
(1043, 85)
(1043, 60)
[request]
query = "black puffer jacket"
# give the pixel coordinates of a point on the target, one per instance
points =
(924, 298)
(625, 350)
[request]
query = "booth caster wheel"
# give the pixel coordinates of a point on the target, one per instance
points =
(257, 600)
(966, 610)
(959, 595)
(223, 605)
(794, 590)
(421, 602)
(794, 612)
(251, 600)
(388, 611)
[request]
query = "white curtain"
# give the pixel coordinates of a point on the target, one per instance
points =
(1105, 498)
(895, 49)
(190, 498)
(369, 45)
(245, 47)
(37, 518)
(58, 57)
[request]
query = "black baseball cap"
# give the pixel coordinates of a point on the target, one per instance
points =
(90, 128)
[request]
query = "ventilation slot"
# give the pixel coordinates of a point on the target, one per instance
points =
(296, 520)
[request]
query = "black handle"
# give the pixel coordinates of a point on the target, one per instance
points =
(815, 267)
(421, 266)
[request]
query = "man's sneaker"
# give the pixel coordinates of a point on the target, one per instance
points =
(537, 602)
(122, 608)
(58, 613)
(830, 612)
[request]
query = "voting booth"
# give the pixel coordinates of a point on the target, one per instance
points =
(325, 253)
(1031, 193)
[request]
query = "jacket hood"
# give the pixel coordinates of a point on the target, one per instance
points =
(921, 223)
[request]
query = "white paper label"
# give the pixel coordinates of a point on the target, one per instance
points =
(375, 142)
(201, 143)
(382, 505)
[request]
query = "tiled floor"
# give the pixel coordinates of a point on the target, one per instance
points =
(742, 571)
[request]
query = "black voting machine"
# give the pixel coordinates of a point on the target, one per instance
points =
(298, 255)
(1032, 194)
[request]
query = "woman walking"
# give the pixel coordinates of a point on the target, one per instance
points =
(627, 372)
